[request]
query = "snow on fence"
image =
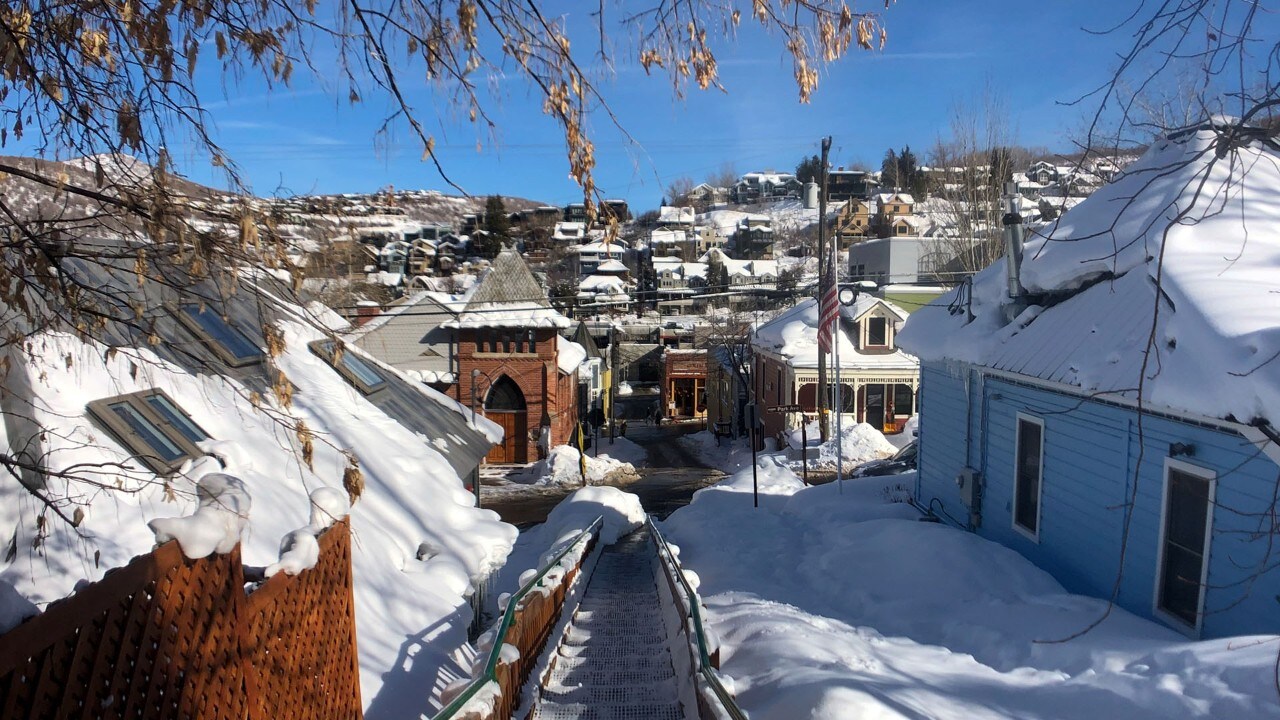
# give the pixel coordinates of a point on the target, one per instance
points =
(170, 637)
(493, 691)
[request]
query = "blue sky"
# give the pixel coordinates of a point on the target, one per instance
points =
(308, 139)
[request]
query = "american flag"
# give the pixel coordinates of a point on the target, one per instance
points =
(828, 308)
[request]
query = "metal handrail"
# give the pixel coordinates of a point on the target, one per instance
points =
(672, 568)
(508, 617)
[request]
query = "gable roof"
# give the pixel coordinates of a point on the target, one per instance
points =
(793, 336)
(1199, 217)
(509, 296)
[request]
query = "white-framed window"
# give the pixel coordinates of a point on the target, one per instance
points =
(363, 375)
(1186, 527)
(224, 339)
(1028, 475)
(877, 332)
(153, 427)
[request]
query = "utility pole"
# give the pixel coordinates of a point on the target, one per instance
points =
(823, 426)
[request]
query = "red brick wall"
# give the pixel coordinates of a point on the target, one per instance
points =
(549, 395)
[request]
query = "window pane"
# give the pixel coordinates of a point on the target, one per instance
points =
(876, 331)
(1027, 501)
(234, 341)
(176, 418)
(150, 434)
(1182, 561)
(362, 371)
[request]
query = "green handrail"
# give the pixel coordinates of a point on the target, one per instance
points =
(672, 568)
(508, 617)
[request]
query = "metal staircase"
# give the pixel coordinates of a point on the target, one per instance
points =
(614, 661)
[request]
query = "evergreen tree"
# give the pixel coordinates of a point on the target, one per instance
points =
(809, 169)
(889, 170)
(495, 218)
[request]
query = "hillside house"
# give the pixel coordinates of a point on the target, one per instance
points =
(571, 233)
(757, 187)
(853, 222)
(1115, 421)
(588, 257)
(753, 237)
(878, 379)
(844, 185)
(513, 366)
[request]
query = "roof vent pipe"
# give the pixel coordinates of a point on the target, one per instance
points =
(1013, 241)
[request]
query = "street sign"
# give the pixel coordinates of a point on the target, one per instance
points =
(785, 408)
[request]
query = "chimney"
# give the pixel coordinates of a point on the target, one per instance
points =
(1013, 242)
(365, 313)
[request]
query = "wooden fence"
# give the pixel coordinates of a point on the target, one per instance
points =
(167, 637)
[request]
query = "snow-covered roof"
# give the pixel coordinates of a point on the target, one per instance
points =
(601, 247)
(793, 335)
(669, 215)
(611, 266)
(667, 237)
(602, 283)
(1207, 227)
(901, 197)
(509, 296)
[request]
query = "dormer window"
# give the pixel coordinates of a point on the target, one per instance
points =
(152, 427)
(877, 332)
(354, 368)
(228, 342)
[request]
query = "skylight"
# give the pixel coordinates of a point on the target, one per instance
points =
(231, 344)
(152, 427)
(360, 373)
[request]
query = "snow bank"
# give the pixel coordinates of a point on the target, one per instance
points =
(622, 513)
(222, 512)
(836, 597)
(859, 443)
(623, 450)
(561, 467)
(723, 453)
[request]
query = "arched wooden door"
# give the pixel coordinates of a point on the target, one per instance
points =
(505, 405)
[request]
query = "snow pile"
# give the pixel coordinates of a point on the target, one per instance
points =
(1205, 225)
(724, 453)
(300, 549)
(561, 467)
(222, 512)
(859, 443)
(569, 355)
(837, 597)
(621, 513)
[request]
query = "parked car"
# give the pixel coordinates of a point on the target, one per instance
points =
(903, 461)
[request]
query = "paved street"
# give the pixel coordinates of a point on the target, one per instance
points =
(667, 483)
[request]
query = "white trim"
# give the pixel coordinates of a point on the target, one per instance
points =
(1211, 477)
(1017, 446)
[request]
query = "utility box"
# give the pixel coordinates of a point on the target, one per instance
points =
(970, 484)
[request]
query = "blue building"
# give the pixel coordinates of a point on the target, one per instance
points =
(1113, 417)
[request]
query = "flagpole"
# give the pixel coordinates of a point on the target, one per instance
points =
(823, 271)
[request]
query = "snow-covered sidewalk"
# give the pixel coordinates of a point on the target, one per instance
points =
(835, 601)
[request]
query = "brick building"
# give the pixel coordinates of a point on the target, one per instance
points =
(513, 364)
(684, 386)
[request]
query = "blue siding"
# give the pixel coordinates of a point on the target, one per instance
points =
(1091, 452)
